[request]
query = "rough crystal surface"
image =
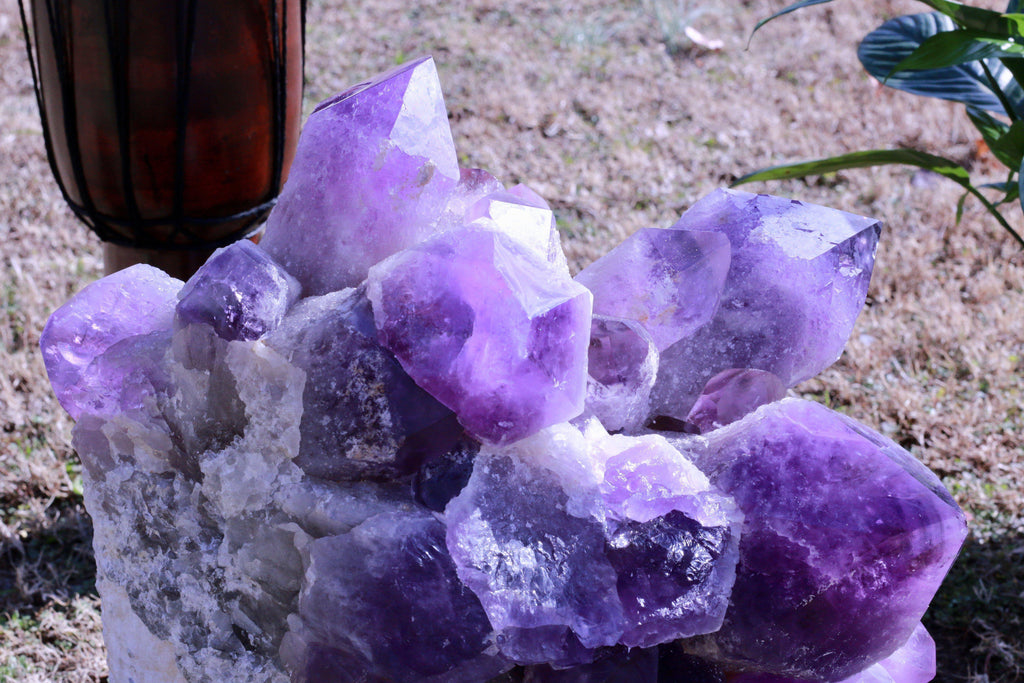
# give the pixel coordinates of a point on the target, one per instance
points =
(622, 364)
(360, 407)
(846, 539)
(730, 395)
(797, 279)
(594, 564)
(240, 291)
(385, 600)
(669, 281)
(487, 328)
(372, 174)
(135, 301)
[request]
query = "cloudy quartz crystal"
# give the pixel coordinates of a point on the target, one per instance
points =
(797, 279)
(488, 328)
(622, 364)
(846, 539)
(373, 171)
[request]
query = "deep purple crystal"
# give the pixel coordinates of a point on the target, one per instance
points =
(846, 539)
(240, 291)
(385, 600)
(487, 328)
(373, 171)
(617, 665)
(360, 407)
(135, 301)
(797, 279)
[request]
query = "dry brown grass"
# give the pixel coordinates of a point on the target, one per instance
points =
(620, 127)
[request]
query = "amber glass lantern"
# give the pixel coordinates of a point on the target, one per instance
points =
(169, 124)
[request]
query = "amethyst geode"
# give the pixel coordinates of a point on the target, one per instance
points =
(398, 442)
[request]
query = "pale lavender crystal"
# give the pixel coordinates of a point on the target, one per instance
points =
(730, 395)
(383, 600)
(523, 215)
(240, 291)
(474, 185)
(558, 539)
(135, 301)
(359, 407)
(622, 364)
(847, 537)
(668, 280)
(373, 171)
(487, 328)
(797, 280)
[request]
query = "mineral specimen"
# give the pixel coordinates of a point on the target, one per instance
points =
(240, 291)
(135, 301)
(797, 279)
(373, 171)
(410, 474)
(487, 328)
(845, 542)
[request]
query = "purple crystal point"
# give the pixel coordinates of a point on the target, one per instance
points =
(372, 174)
(798, 278)
(240, 291)
(359, 406)
(135, 301)
(730, 395)
(487, 328)
(384, 600)
(622, 364)
(668, 280)
(846, 539)
(523, 215)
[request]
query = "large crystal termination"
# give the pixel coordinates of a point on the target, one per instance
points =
(847, 537)
(798, 277)
(372, 174)
(522, 214)
(240, 291)
(136, 301)
(559, 537)
(670, 281)
(359, 407)
(489, 329)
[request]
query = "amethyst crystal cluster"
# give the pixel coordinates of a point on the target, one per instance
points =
(397, 441)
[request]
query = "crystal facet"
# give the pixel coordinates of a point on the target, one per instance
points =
(491, 331)
(730, 395)
(846, 539)
(373, 171)
(135, 301)
(797, 279)
(622, 364)
(240, 291)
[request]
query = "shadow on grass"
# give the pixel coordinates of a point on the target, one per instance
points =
(50, 562)
(977, 617)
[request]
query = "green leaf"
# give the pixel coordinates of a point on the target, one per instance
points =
(992, 131)
(952, 48)
(883, 49)
(792, 8)
(880, 157)
(978, 18)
